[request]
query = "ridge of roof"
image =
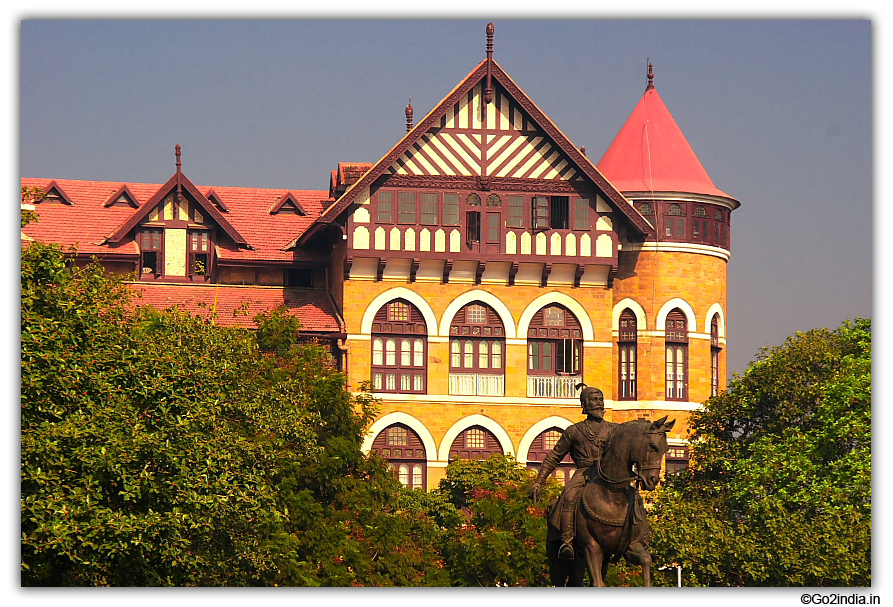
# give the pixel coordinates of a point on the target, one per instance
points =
(650, 153)
(538, 116)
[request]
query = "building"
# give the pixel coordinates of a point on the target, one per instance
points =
(475, 275)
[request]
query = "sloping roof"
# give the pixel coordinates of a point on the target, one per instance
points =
(87, 222)
(237, 306)
(478, 74)
(650, 153)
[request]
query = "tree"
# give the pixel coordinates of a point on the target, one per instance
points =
(160, 448)
(778, 492)
(499, 538)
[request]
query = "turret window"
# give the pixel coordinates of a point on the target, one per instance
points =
(676, 338)
(715, 350)
(627, 342)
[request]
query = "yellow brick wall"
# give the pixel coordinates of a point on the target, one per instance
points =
(651, 279)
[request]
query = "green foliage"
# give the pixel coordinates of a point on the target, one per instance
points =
(158, 448)
(30, 196)
(502, 539)
(779, 488)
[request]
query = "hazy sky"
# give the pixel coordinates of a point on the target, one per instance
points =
(778, 112)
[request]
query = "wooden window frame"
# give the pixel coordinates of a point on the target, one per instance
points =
(489, 333)
(423, 214)
(676, 357)
(566, 340)
(578, 205)
(407, 210)
(676, 460)
(406, 358)
(515, 217)
(627, 358)
(385, 211)
(715, 350)
(149, 247)
(194, 253)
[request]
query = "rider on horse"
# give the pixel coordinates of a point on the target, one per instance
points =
(585, 441)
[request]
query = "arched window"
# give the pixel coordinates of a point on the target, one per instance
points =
(676, 337)
(403, 449)
(399, 349)
(715, 349)
(477, 351)
(554, 353)
(647, 212)
(674, 222)
(627, 340)
(475, 443)
(541, 447)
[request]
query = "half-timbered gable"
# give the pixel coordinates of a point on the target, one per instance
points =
(483, 193)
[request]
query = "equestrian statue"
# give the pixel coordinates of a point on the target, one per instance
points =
(600, 515)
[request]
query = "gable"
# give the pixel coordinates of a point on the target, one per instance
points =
(122, 197)
(160, 207)
(508, 140)
(287, 204)
(497, 140)
(53, 193)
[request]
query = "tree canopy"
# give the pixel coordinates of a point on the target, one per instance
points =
(778, 492)
(158, 448)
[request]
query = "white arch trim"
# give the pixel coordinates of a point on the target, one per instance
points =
(395, 293)
(467, 422)
(691, 320)
(534, 431)
(401, 418)
(715, 309)
(638, 310)
(478, 295)
(560, 298)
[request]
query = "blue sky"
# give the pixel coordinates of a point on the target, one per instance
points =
(779, 113)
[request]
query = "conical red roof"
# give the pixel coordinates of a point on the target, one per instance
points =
(650, 153)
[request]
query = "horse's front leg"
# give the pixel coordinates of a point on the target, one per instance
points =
(639, 555)
(594, 561)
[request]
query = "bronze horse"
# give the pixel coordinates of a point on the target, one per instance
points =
(610, 518)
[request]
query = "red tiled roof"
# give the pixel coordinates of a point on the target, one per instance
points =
(650, 153)
(237, 306)
(87, 222)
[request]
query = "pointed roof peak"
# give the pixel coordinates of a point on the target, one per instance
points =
(650, 153)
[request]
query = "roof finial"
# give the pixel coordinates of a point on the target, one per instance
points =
(409, 116)
(488, 92)
(650, 76)
(177, 193)
(583, 150)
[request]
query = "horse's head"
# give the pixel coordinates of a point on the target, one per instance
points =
(650, 451)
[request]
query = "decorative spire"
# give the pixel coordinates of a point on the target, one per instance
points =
(650, 86)
(409, 116)
(488, 92)
(177, 193)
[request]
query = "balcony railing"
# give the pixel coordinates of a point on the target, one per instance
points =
(546, 386)
(475, 384)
